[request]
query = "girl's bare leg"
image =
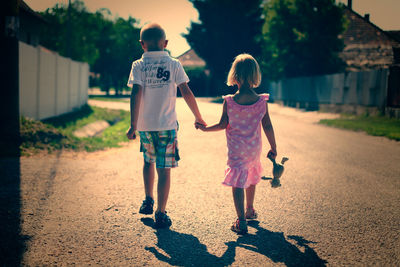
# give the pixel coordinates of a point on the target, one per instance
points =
(250, 193)
(238, 199)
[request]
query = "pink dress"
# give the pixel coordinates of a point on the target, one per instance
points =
(243, 135)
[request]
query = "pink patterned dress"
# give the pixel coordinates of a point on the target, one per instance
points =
(243, 135)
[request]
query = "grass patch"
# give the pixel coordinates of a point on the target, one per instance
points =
(124, 99)
(372, 125)
(57, 133)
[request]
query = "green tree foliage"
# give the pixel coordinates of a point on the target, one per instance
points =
(109, 46)
(226, 29)
(301, 38)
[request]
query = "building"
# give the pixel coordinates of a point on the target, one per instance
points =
(30, 24)
(191, 59)
(367, 46)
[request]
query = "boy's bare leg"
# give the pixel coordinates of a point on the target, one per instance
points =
(148, 179)
(238, 199)
(250, 192)
(164, 182)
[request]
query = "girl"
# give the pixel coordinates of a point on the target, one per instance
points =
(242, 116)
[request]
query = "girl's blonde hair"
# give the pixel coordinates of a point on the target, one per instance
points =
(244, 69)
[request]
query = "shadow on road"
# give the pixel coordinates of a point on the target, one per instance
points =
(181, 249)
(185, 249)
(276, 247)
(12, 243)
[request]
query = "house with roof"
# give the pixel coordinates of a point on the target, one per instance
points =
(30, 25)
(367, 46)
(190, 59)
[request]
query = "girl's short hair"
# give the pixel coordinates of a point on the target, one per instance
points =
(244, 69)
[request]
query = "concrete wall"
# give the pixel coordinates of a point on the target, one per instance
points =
(368, 88)
(50, 84)
(28, 80)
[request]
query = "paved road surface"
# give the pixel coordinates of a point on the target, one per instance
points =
(339, 203)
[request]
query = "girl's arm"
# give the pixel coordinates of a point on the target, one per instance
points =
(223, 122)
(269, 132)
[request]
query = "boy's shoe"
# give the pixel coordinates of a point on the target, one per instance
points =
(162, 220)
(239, 227)
(147, 206)
(251, 214)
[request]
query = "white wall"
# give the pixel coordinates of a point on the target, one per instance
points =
(62, 85)
(50, 85)
(28, 80)
(47, 84)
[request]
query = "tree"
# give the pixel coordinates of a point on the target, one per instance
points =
(118, 45)
(301, 38)
(109, 46)
(226, 29)
(84, 28)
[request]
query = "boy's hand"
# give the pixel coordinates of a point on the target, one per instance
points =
(198, 122)
(131, 134)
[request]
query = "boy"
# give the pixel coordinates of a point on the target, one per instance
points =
(154, 79)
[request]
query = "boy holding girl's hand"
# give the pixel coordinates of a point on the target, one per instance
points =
(154, 79)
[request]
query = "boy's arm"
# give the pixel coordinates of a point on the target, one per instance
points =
(187, 94)
(223, 122)
(269, 132)
(136, 96)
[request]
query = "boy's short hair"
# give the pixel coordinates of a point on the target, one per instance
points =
(152, 33)
(244, 69)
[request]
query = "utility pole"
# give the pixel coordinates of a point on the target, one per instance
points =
(9, 92)
(68, 42)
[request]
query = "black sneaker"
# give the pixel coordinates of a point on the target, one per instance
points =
(147, 206)
(162, 220)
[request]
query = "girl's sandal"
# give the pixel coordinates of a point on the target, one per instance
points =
(251, 214)
(239, 227)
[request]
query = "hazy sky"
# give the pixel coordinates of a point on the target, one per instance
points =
(175, 15)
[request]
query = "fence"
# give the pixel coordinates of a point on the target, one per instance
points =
(368, 88)
(50, 84)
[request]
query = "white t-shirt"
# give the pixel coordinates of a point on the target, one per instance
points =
(159, 75)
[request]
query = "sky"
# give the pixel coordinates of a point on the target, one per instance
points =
(175, 15)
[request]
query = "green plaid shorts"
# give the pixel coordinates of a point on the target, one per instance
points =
(160, 147)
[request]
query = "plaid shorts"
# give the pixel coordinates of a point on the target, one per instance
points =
(160, 147)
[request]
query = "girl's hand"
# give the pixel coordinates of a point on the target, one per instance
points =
(272, 153)
(198, 122)
(200, 126)
(131, 134)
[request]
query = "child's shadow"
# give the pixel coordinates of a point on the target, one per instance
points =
(181, 249)
(276, 247)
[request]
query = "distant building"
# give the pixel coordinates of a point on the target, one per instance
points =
(30, 24)
(367, 46)
(191, 59)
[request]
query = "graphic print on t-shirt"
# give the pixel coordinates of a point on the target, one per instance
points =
(157, 74)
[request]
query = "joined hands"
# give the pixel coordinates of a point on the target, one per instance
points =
(200, 124)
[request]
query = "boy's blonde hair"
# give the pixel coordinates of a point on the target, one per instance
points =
(244, 69)
(152, 34)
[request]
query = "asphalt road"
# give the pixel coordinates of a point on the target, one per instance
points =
(339, 203)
